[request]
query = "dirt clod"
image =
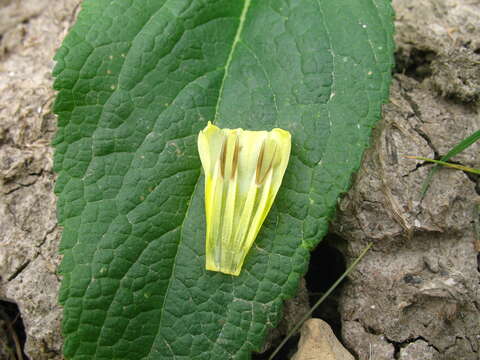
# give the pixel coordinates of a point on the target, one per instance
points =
(416, 294)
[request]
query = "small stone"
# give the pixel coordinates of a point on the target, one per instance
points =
(418, 350)
(317, 341)
(366, 344)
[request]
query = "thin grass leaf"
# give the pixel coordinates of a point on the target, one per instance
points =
(462, 145)
(443, 163)
(320, 301)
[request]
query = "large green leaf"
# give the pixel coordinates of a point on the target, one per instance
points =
(137, 80)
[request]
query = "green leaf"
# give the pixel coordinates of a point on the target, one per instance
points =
(137, 81)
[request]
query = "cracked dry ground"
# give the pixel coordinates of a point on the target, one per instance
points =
(415, 296)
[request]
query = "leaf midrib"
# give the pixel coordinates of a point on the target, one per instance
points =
(235, 42)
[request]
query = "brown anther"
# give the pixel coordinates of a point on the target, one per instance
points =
(259, 164)
(270, 166)
(236, 150)
(223, 157)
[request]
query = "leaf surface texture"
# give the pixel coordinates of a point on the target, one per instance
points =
(137, 80)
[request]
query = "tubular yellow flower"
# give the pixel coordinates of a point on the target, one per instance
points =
(243, 171)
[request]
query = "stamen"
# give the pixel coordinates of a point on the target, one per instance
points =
(223, 157)
(259, 164)
(235, 159)
(269, 166)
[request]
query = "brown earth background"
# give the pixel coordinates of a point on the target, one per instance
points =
(415, 296)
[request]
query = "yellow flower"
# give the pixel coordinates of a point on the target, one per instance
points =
(243, 171)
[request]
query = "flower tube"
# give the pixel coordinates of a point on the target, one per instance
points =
(243, 172)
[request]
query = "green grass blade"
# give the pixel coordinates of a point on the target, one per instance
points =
(443, 163)
(320, 301)
(462, 145)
